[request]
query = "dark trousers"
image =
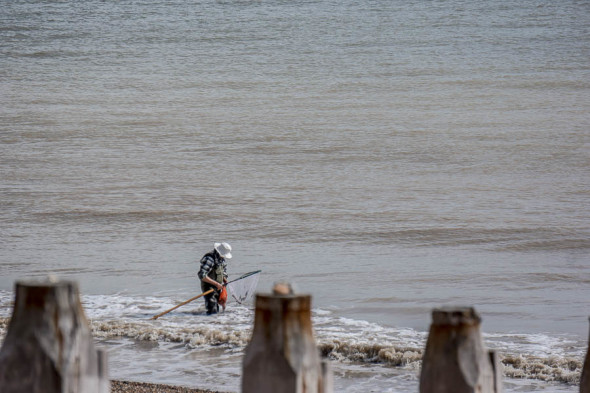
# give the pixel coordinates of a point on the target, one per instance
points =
(211, 299)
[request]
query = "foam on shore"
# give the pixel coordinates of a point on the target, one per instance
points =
(343, 340)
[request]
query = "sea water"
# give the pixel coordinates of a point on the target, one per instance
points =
(386, 157)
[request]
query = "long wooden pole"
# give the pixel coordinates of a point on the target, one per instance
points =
(182, 304)
(203, 294)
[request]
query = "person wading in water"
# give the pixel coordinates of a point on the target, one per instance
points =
(213, 274)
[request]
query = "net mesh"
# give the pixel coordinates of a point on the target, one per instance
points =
(242, 291)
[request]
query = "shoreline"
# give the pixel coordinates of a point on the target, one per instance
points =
(144, 387)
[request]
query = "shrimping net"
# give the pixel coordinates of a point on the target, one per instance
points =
(243, 289)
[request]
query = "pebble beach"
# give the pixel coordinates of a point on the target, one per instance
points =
(141, 387)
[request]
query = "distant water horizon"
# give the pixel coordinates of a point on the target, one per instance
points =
(386, 157)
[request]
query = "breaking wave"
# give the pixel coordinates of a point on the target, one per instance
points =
(549, 369)
(552, 368)
(191, 337)
(546, 368)
(372, 353)
(341, 340)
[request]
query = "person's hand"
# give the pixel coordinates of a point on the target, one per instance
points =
(219, 287)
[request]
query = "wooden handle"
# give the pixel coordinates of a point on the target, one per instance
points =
(182, 304)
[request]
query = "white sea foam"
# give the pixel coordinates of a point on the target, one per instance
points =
(345, 341)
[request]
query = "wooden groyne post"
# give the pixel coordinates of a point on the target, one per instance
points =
(455, 359)
(48, 347)
(585, 379)
(282, 355)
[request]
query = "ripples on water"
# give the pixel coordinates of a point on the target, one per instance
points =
(436, 150)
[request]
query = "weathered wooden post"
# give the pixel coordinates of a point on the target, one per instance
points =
(48, 347)
(455, 360)
(497, 370)
(282, 355)
(327, 377)
(585, 380)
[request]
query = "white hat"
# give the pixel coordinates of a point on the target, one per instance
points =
(224, 249)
